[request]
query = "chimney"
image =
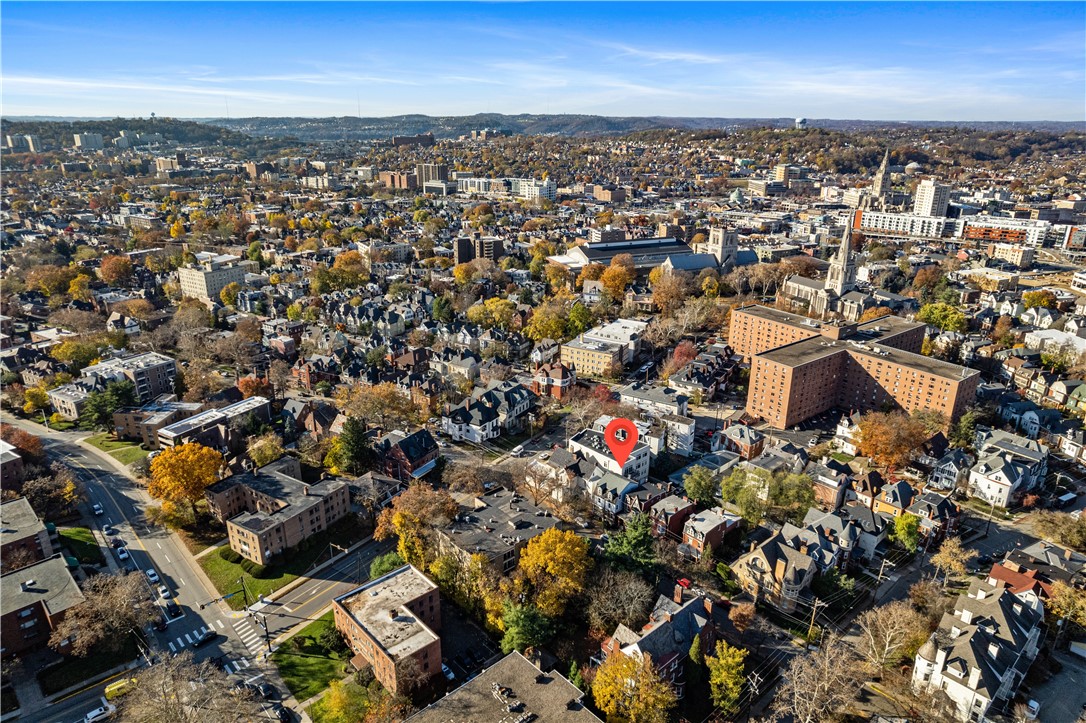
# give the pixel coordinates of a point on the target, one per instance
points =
(1067, 554)
(753, 546)
(677, 595)
(974, 677)
(967, 616)
(779, 568)
(305, 490)
(709, 607)
(391, 614)
(803, 548)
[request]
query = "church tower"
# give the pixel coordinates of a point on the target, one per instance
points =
(880, 188)
(723, 244)
(841, 277)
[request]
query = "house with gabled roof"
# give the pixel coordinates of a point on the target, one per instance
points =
(776, 572)
(982, 650)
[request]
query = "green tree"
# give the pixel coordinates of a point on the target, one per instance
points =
(700, 486)
(384, 564)
(358, 453)
(695, 663)
(726, 675)
(580, 319)
(906, 531)
(525, 626)
(442, 309)
(634, 548)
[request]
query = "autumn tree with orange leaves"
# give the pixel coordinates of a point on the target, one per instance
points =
(181, 474)
(891, 439)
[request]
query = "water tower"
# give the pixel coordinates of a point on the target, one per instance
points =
(801, 123)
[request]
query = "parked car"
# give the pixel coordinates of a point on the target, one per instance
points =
(269, 691)
(116, 542)
(104, 713)
(283, 715)
(160, 624)
(122, 554)
(449, 675)
(164, 592)
(152, 575)
(173, 609)
(110, 530)
(98, 509)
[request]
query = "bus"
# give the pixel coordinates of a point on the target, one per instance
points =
(119, 688)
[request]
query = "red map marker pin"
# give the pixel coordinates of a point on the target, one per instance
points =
(620, 448)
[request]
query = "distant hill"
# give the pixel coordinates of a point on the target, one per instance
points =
(352, 128)
(58, 133)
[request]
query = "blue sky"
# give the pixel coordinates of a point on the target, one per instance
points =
(909, 61)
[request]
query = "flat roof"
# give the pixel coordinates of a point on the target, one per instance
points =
(212, 416)
(380, 607)
(511, 690)
(18, 520)
(47, 582)
(274, 480)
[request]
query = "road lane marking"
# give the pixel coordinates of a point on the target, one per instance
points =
(258, 676)
(159, 544)
(287, 609)
(182, 580)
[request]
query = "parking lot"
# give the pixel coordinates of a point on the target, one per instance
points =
(465, 647)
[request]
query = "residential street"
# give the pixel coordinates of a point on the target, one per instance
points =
(152, 548)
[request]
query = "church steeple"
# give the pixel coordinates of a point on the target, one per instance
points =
(881, 185)
(841, 277)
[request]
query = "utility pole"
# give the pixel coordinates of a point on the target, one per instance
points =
(244, 591)
(988, 524)
(754, 681)
(814, 611)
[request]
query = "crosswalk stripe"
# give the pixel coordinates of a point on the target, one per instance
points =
(221, 626)
(172, 648)
(188, 637)
(180, 642)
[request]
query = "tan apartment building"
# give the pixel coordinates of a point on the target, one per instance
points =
(392, 623)
(271, 510)
(592, 358)
(857, 367)
(151, 373)
(143, 423)
(211, 273)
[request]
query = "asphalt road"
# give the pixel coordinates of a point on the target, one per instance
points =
(123, 501)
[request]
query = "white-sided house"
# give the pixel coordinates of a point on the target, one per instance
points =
(998, 479)
(472, 420)
(847, 436)
(982, 651)
(608, 491)
(590, 444)
(951, 470)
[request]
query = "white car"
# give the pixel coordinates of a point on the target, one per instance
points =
(152, 575)
(164, 591)
(447, 672)
(104, 713)
(98, 509)
(1033, 709)
(517, 451)
(122, 553)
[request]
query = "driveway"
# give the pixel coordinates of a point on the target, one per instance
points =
(1063, 695)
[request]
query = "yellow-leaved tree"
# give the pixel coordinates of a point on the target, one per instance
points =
(626, 689)
(412, 517)
(181, 474)
(556, 565)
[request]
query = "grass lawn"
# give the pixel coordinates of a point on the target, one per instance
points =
(842, 457)
(81, 542)
(206, 532)
(105, 442)
(129, 455)
(307, 670)
(8, 700)
(293, 564)
(75, 670)
(62, 426)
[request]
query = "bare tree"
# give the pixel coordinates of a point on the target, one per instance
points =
(280, 377)
(16, 558)
(818, 684)
(618, 597)
(181, 690)
(887, 630)
(463, 477)
(952, 558)
(112, 609)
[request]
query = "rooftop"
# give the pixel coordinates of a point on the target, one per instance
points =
(47, 582)
(509, 691)
(380, 607)
(495, 522)
(213, 416)
(18, 520)
(278, 482)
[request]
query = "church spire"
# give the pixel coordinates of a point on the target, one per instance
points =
(881, 185)
(841, 277)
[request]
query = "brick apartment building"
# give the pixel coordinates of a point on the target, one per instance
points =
(270, 510)
(391, 623)
(801, 367)
(24, 534)
(33, 601)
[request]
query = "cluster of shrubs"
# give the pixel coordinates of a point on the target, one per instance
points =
(254, 569)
